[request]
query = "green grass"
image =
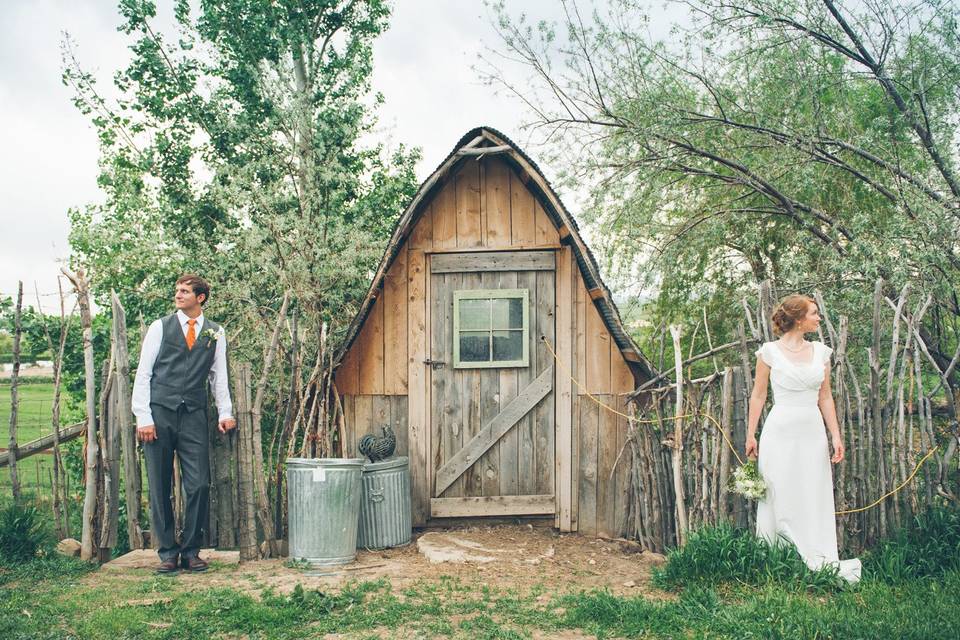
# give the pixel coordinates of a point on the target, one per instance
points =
(33, 421)
(725, 584)
(722, 554)
(47, 599)
(926, 610)
(51, 597)
(34, 413)
(928, 548)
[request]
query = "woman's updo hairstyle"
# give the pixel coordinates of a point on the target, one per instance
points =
(789, 312)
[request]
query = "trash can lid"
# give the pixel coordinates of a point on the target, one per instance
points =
(326, 463)
(383, 465)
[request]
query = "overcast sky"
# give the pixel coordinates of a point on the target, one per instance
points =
(423, 67)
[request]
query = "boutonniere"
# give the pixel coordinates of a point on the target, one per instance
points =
(211, 336)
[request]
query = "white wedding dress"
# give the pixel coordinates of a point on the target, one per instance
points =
(794, 460)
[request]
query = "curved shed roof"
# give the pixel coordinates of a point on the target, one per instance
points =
(488, 141)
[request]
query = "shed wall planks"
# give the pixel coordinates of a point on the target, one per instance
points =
(523, 227)
(395, 319)
(417, 381)
(383, 377)
(370, 351)
(469, 215)
(444, 209)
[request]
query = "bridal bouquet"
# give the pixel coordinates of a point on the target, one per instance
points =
(748, 482)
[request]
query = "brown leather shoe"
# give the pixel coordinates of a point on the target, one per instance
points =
(194, 563)
(169, 566)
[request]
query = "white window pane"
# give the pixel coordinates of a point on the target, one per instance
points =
(474, 346)
(516, 313)
(507, 313)
(508, 345)
(474, 315)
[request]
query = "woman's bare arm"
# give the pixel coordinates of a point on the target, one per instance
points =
(758, 397)
(828, 409)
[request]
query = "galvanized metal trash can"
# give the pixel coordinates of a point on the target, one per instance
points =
(385, 518)
(323, 505)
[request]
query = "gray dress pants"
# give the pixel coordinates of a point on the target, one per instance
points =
(185, 432)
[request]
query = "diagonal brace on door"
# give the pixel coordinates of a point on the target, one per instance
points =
(526, 400)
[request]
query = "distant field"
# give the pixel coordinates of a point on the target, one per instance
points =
(33, 421)
(33, 417)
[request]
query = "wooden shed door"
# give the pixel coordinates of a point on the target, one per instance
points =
(491, 383)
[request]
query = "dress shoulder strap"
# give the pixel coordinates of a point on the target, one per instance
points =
(765, 353)
(823, 350)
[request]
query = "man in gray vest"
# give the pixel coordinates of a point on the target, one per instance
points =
(180, 353)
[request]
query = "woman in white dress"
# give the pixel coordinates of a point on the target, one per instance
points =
(793, 456)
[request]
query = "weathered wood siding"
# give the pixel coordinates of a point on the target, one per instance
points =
(486, 206)
(598, 435)
(483, 206)
(464, 400)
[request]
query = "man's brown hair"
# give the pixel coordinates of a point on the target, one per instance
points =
(198, 284)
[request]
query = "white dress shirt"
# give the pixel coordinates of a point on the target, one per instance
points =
(148, 356)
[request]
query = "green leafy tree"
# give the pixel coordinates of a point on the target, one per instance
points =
(239, 149)
(799, 141)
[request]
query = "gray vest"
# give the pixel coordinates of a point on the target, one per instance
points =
(180, 374)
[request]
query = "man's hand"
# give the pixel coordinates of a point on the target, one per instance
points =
(226, 424)
(147, 433)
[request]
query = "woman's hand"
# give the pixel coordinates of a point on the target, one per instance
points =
(752, 448)
(838, 449)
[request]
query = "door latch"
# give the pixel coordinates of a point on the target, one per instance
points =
(434, 364)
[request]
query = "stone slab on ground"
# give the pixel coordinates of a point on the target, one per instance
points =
(69, 547)
(148, 559)
(439, 547)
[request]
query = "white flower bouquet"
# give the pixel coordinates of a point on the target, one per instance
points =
(748, 482)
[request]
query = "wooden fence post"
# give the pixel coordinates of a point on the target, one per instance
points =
(87, 547)
(248, 527)
(131, 462)
(14, 398)
(109, 486)
(726, 420)
(222, 451)
(678, 441)
(264, 514)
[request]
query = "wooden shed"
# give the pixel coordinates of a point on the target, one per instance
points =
(447, 348)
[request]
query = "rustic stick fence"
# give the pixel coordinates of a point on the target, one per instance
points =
(896, 401)
(890, 417)
(247, 483)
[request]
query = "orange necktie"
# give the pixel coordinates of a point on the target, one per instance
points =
(191, 336)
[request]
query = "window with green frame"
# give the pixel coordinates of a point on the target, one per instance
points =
(491, 328)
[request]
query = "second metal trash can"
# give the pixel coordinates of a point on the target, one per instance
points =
(385, 518)
(323, 505)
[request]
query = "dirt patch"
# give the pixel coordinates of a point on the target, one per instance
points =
(525, 558)
(27, 371)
